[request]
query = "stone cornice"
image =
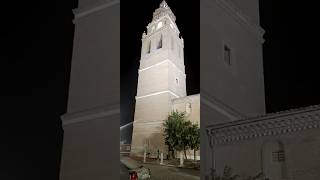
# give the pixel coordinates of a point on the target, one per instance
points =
(162, 62)
(90, 114)
(213, 103)
(241, 18)
(85, 11)
(191, 98)
(157, 93)
(275, 124)
(152, 123)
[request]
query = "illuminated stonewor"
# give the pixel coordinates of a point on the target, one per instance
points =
(161, 83)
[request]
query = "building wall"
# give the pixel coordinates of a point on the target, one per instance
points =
(210, 112)
(241, 84)
(249, 7)
(94, 61)
(94, 95)
(192, 112)
(301, 149)
(89, 152)
(229, 92)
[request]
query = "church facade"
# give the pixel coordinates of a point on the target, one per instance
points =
(236, 131)
(283, 145)
(161, 85)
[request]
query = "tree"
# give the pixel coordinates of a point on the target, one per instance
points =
(180, 134)
(173, 131)
(185, 138)
(194, 138)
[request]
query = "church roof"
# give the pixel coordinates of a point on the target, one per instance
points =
(282, 122)
(163, 10)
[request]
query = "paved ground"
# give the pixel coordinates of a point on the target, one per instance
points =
(159, 172)
(124, 173)
(171, 173)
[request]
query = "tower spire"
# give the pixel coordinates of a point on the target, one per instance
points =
(163, 10)
(164, 4)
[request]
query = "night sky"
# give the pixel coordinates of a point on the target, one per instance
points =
(290, 54)
(37, 40)
(36, 56)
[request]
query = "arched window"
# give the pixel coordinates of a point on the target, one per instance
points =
(273, 160)
(159, 25)
(160, 43)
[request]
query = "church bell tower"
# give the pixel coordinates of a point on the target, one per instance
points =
(161, 79)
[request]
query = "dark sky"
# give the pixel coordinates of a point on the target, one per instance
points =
(37, 37)
(290, 54)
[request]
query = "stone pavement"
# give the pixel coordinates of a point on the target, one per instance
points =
(129, 163)
(159, 172)
(124, 172)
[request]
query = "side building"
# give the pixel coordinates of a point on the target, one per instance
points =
(231, 62)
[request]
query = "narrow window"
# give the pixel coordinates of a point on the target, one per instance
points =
(227, 54)
(177, 80)
(149, 47)
(160, 43)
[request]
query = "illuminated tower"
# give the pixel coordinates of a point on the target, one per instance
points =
(161, 79)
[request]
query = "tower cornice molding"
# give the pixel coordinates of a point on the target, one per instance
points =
(158, 93)
(240, 17)
(164, 61)
(85, 11)
(137, 123)
(90, 114)
(148, 35)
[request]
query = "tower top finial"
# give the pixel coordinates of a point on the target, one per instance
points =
(164, 4)
(163, 10)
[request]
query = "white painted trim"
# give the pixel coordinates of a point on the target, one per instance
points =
(160, 122)
(87, 115)
(82, 12)
(157, 64)
(126, 125)
(157, 93)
